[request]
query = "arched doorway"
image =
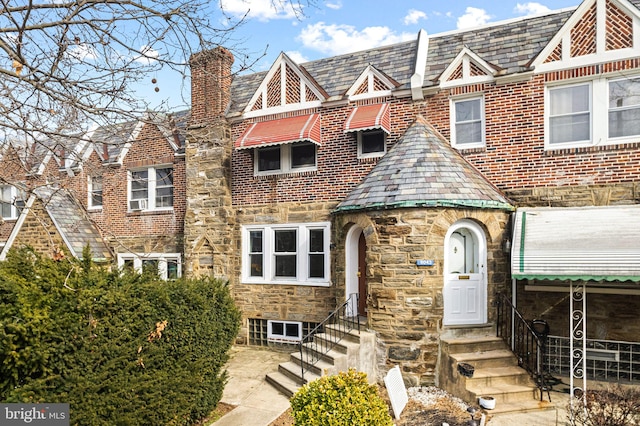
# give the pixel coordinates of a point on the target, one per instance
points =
(465, 277)
(355, 269)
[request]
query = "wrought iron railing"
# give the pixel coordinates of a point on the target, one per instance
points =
(343, 320)
(526, 342)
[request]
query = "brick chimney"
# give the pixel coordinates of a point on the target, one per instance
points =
(210, 85)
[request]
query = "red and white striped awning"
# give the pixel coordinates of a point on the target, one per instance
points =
(369, 117)
(281, 131)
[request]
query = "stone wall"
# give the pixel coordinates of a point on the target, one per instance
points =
(406, 303)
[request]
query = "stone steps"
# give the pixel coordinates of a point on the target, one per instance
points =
(354, 350)
(496, 374)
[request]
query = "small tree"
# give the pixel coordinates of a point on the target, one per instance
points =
(119, 347)
(344, 399)
(614, 406)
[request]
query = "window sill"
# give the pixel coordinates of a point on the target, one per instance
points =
(551, 151)
(278, 175)
(150, 212)
(290, 283)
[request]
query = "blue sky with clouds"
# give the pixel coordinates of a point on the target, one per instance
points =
(334, 27)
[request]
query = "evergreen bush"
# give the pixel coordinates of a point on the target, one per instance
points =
(121, 348)
(344, 399)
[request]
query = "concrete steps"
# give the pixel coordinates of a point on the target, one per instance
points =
(496, 374)
(354, 350)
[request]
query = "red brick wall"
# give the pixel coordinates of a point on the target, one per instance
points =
(338, 171)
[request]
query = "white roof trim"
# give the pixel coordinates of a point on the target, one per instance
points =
(417, 79)
(464, 58)
(601, 55)
(16, 227)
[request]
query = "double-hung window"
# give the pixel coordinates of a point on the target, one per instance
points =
(569, 114)
(167, 266)
(286, 254)
(285, 158)
(95, 192)
(11, 202)
(467, 123)
(624, 107)
(151, 189)
(600, 111)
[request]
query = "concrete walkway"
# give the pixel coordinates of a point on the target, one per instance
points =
(258, 403)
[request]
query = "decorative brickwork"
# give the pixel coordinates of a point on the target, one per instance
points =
(378, 85)
(583, 34)
(556, 55)
(274, 95)
(475, 70)
(457, 74)
(364, 88)
(293, 87)
(619, 26)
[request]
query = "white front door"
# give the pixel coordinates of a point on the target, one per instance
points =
(465, 298)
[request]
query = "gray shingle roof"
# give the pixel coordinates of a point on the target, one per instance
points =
(72, 223)
(511, 46)
(423, 170)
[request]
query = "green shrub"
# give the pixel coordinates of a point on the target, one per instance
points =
(121, 348)
(344, 399)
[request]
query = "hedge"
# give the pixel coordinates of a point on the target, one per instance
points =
(121, 348)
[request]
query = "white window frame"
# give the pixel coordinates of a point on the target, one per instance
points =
(15, 197)
(452, 115)
(150, 202)
(90, 192)
(162, 259)
(599, 109)
(302, 254)
(376, 154)
(620, 139)
(272, 337)
(285, 161)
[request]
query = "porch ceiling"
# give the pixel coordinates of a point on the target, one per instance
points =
(578, 244)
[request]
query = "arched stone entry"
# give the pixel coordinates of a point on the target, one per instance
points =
(355, 269)
(465, 275)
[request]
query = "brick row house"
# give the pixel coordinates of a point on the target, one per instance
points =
(427, 177)
(119, 189)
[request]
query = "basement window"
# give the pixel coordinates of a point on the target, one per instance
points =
(278, 331)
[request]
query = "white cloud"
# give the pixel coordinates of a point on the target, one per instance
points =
(335, 5)
(336, 39)
(473, 17)
(148, 56)
(297, 57)
(262, 10)
(82, 52)
(413, 16)
(531, 8)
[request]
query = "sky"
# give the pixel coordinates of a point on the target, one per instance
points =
(333, 27)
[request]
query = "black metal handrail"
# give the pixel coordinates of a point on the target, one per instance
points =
(344, 319)
(524, 341)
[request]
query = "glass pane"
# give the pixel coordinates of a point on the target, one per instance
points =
(570, 128)
(285, 241)
(172, 269)
(139, 184)
(624, 123)
(291, 330)
(372, 142)
(6, 210)
(128, 265)
(624, 93)
(255, 270)
(277, 328)
(268, 158)
(316, 240)
(303, 155)
(164, 177)
(468, 110)
(316, 266)
(164, 197)
(96, 199)
(286, 266)
(468, 132)
(569, 100)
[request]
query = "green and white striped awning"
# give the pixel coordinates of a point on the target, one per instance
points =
(579, 244)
